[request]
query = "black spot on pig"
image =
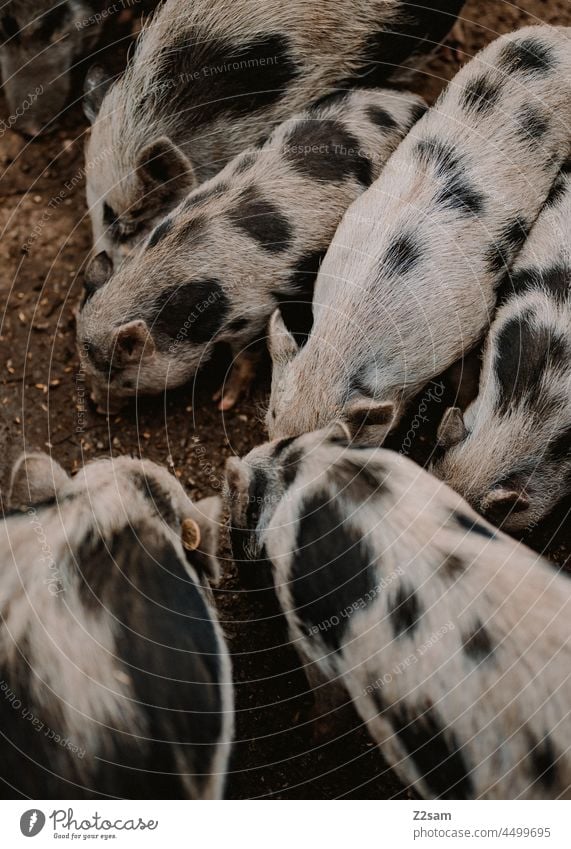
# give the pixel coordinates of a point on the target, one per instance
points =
(192, 312)
(525, 354)
(419, 28)
(168, 643)
(168, 647)
(437, 154)
(281, 446)
(556, 280)
(459, 195)
(478, 643)
(513, 283)
(326, 151)
(229, 82)
(244, 542)
(158, 497)
(291, 465)
(528, 55)
(532, 123)
(257, 497)
(295, 300)
(159, 233)
(331, 571)
(507, 246)
(434, 750)
(454, 188)
(474, 527)
(481, 94)
(404, 611)
(543, 761)
(381, 118)
(558, 190)
(262, 221)
(402, 255)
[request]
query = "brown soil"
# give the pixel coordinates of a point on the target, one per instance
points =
(44, 405)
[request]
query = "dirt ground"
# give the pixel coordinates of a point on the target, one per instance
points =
(44, 405)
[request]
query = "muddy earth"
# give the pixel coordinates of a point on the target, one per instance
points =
(44, 404)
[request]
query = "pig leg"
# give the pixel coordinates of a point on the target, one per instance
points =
(242, 374)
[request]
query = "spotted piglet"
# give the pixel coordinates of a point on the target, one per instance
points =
(249, 239)
(450, 638)
(210, 79)
(115, 680)
(510, 456)
(411, 277)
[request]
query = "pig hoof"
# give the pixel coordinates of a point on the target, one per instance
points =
(228, 401)
(230, 393)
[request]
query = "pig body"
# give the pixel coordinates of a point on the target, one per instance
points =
(115, 678)
(411, 277)
(247, 240)
(211, 79)
(450, 638)
(510, 456)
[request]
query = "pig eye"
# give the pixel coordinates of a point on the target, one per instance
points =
(109, 215)
(9, 27)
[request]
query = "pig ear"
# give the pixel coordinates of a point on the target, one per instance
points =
(132, 342)
(365, 412)
(337, 431)
(199, 534)
(97, 273)
(162, 163)
(500, 501)
(36, 478)
(281, 343)
(452, 429)
(96, 85)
